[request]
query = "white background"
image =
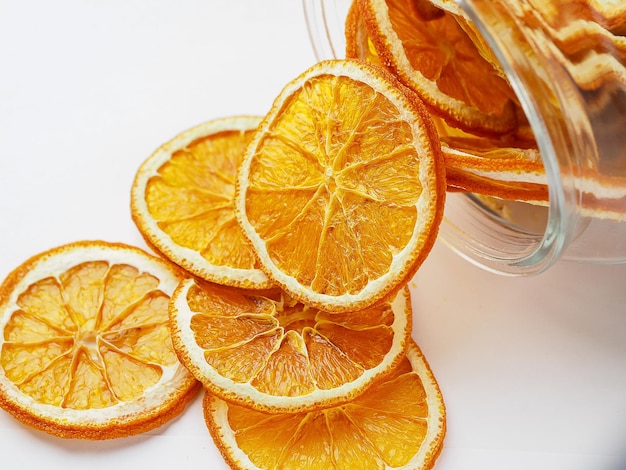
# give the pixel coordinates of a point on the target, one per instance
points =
(533, 370)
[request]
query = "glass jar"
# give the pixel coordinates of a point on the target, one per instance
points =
(565, 60)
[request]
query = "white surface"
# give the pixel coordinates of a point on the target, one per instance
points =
(533, 370)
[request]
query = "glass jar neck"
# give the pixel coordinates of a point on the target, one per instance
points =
(556, 113)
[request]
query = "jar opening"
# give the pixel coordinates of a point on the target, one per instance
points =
(573, 96)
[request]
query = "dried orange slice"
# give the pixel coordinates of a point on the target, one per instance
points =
(594, 70)
(182, 202)
(610, 14)
(270, 352)
(471, 182)
(85, 349)
(398, 423)
(440, 61)
(507, 169)
(341, 191)
(577, 35)
(452, 7)
(358, 45)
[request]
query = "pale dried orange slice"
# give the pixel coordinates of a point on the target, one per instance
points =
(399, 423)
(594, 70)
(580, 36)
(610, 14)
(341, 191)
(85, 349)
(269, 352)
(441, 62)
(182, 202)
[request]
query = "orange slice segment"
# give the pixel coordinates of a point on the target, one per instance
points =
(182, 201)
(341, 191)
(85, 349)
(269, 352)
(398, 423)
(439, 60)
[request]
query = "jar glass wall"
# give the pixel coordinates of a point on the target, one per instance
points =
(565, 62)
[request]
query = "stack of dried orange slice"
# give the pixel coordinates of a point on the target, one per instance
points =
(586, 39)
(286, 243)
(339, 194)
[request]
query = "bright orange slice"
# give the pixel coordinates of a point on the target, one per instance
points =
(182, 202)
(442, 63)
(341, 191)
(270, 352)
(85, 349)
(399, 423)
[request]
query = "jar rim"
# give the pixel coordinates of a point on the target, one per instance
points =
(559, 142)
